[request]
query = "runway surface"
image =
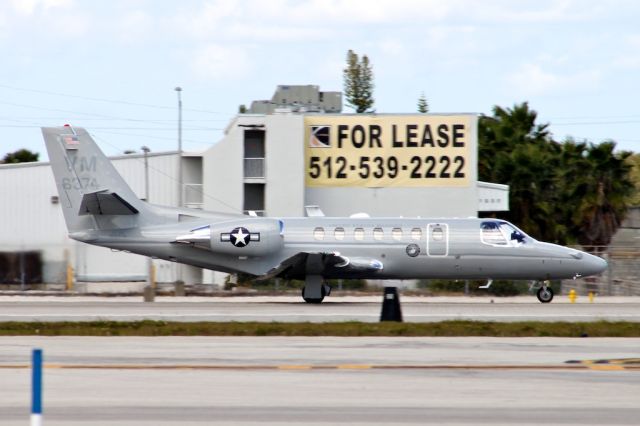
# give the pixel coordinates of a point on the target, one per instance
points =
(324, 380)
(292, 309)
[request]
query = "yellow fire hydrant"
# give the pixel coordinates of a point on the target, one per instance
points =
(572, 296)
(591, 296)
(69, 283)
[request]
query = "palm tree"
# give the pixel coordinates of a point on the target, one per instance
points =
(516, 151)
(601, 190)
(560, 192)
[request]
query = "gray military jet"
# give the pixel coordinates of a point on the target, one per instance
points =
(101, 209)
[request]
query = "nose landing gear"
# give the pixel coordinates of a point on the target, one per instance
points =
(545, 294)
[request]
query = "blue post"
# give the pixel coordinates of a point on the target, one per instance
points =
(36, 388)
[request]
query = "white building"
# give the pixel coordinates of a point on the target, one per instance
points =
(263, 164)
(31, 218)
(274, 164)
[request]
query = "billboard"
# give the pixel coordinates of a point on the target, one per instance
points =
(389, 150)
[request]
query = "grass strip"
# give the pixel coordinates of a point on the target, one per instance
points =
(347, 329)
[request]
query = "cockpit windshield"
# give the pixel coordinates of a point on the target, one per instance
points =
(500, 233)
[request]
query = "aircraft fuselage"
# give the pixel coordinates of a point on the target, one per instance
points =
(405, 248)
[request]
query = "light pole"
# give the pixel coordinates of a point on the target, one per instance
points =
(150, 290)
(146, 150)
(179, 91)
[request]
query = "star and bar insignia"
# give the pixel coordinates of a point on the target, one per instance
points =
(240, 237)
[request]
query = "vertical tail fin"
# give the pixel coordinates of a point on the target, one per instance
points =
(92, 193)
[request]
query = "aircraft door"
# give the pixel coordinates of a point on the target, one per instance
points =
(438, 239)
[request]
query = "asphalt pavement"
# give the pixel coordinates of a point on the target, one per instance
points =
(333, 309)
(324, 380)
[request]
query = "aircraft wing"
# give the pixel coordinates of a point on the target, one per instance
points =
(321, 263)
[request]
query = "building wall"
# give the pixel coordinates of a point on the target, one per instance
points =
(410, 202)
(223, 166)
(30, 221)
(285, 168)
(163, 170)
(222, 169)
(493, 197)
(286, 193)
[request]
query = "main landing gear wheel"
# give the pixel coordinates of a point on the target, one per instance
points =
(545, 294)
(315, 300)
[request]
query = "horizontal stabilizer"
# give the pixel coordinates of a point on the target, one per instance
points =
(105, 202)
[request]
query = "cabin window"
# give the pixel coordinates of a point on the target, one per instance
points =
(437, 234)
(513, 234)
(396, 233)
(416, 233)
(339, 233)
(358, 234)
(378, 234)
(318, 233)
(498, 233)
(491, 234)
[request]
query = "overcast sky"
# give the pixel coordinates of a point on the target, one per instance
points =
(112, 66)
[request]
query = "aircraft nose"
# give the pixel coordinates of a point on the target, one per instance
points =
(594, 265)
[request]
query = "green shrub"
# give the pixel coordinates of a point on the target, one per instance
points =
(352, 284)
(498, 287)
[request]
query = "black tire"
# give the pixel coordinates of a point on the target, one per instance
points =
(314, 300)
(545, 294)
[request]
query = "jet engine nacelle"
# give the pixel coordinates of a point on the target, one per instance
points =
(251, 237)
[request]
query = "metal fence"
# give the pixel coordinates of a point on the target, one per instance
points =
(622, 277)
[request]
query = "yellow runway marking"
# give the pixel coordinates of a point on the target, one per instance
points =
(610, 364)
(607, 367)
(354, 366)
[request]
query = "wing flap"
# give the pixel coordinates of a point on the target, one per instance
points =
(363, 264)
(330, 264)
